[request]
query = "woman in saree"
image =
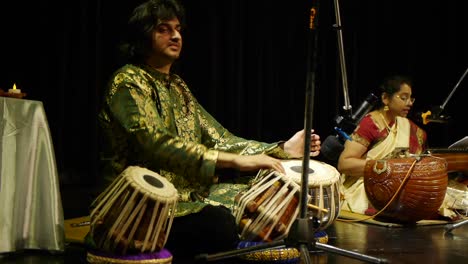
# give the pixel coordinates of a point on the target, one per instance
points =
(384, 133)
(378, 135)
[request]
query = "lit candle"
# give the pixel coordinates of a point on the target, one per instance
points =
(14, 90)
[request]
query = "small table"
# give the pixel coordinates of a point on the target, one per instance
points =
(31, 213)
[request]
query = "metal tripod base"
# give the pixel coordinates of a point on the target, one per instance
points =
(304, 249)
(301, 236)
(449, 228)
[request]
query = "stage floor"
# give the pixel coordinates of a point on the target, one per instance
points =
(421, 244)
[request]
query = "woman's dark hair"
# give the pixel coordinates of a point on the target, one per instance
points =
(391, 85)
(142, 21)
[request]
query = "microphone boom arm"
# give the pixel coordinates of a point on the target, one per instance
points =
(344, 79)
(435, 114)
(453, 90)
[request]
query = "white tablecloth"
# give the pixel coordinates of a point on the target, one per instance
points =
(31, 213)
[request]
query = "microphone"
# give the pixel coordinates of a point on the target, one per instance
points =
(434, 116)
(349, 122)
(333, 145)
(364, 108)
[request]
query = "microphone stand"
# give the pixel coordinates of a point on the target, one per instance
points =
(301, 234)
(435, 114)
(344, 77)
(450, 227)
(344, 124)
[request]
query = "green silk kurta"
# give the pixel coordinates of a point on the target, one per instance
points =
(152, 120)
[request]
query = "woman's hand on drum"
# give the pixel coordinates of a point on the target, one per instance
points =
(248, 163)
(295, 145)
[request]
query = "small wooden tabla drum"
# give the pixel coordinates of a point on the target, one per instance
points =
(134, 214)
(421, 194)
(267, 210)
(323, 189)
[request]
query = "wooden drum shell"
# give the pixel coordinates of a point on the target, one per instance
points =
(267, 210)
(420, 196)
(134, 214)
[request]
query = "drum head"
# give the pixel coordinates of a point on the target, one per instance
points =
(320, 173)
(151, 183)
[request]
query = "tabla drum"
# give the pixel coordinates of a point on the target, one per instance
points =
(323, 189)
(420, 196)
(266, 211)
(134, 214)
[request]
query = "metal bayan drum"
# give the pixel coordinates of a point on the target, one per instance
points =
(323, 188)
(267, 210)
(134, 214)
(421, 194)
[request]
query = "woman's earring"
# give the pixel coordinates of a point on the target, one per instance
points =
(386, 108)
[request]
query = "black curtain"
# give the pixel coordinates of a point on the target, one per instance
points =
(245, 61)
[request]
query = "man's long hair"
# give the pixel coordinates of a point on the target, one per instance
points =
(144, 18)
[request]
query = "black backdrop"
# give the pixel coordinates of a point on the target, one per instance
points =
(245, 60)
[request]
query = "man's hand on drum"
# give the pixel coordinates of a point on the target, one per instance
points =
(295, 145)
(249, 163)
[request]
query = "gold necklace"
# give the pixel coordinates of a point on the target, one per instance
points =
(389, 129)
